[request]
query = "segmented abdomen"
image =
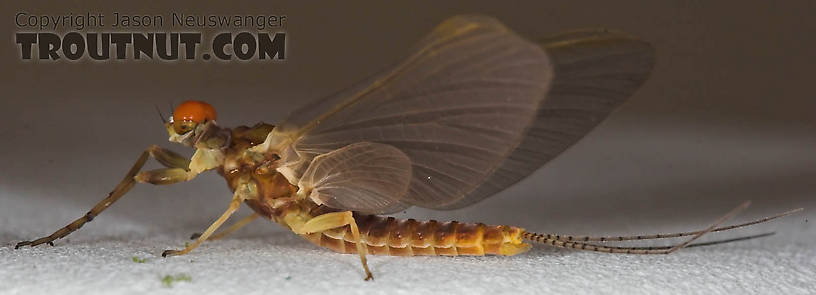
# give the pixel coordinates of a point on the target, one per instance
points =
(409, 237)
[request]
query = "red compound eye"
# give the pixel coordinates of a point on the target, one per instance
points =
(193, 110)
(191, 113)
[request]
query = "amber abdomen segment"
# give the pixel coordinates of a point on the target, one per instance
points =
(409, 237)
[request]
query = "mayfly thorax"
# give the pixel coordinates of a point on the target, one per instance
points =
(474, 109)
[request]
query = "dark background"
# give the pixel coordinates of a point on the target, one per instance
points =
(727, 115)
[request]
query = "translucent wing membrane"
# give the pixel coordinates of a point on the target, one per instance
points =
(364, 176)
(595, 71)
(475, 109)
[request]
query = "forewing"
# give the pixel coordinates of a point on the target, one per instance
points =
(596, 70)
(472, 109)
(457, 108)
(364, 176)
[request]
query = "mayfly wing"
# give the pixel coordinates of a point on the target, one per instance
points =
(364, 176)
(596, 70)
(475, 108)
(439, 107)
(456, 107)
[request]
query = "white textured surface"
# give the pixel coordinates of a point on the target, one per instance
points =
(260, 261)
(281, 262)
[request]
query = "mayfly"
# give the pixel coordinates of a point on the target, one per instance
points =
(474, 109)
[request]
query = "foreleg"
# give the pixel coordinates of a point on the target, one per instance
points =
(163, 156)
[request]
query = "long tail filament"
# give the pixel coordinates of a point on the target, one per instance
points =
(572, 242)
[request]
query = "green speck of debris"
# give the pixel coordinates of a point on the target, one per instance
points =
(168, 280)
(186, 244)
(288, 278)
(139, 260)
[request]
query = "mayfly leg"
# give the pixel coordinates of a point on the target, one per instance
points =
(234, 204)
(124, 186)
(163, 156)
(334, 220)
(238, 225)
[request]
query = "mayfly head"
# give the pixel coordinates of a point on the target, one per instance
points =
(190, 120)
